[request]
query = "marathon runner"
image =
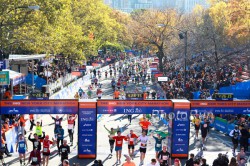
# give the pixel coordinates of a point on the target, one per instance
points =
(71, 125)
(235, 133)
(64, 151)
(118, 145)
(131, 138)
(158, 143)
(197, 122)
(35, 157)
(60, 136)
(58, 122)
(111, 140)
(143, 147)
(21, 147)
(36, 141)
(39, 130)
(164, 157)
(144, 125)
(46, 150)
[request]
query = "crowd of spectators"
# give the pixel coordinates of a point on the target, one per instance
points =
(51, 70)
(201, 76)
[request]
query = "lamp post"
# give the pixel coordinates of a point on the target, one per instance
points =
(182, 35)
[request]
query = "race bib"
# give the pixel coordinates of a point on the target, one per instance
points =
(35, 143)
(131, 139)
(45, 150)
(34, 159)
(165, 157)
(37, 131)
(119, 142)
(205, 125)
(59, 135)
(57, 122)
(63, 150)
(21, 145)
(143, 145)
(158, 145)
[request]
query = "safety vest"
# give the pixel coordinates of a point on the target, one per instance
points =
(39, 130)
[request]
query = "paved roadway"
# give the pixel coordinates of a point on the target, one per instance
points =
(216, 143)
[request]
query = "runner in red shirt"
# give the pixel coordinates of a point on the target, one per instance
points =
(131, 144)
(46, 150)
(144, 125)
(118, 145)
(71, 126)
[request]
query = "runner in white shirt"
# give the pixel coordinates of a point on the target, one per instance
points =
(143, 146)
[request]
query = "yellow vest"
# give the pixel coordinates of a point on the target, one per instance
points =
(39, 130)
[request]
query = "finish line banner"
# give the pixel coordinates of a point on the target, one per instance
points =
(87, 129)
(133, 107)
(39, 107)
(220, 107)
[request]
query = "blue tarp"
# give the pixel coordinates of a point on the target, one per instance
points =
(39, 82)
(240, 90)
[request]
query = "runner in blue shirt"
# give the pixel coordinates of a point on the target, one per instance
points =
(60, 136)
(21, 147)
(158, 143)
(58, 122)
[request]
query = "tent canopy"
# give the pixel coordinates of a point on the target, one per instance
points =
(15, 77)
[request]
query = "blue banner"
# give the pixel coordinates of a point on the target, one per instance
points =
(87, 130)
(39, 107)
(220, 107)
(133, 106)
(220, 125)
(181, 127)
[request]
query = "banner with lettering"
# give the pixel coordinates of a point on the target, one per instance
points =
(39, 107)
(87, 130)
(180, 130)
(220, 107)
(133, 106)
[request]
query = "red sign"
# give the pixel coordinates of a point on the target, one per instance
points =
(158, 75)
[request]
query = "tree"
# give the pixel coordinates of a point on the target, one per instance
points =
(149, 32)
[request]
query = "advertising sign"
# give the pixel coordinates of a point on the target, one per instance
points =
(134, 96)
(158, 75)
(4, 78)
(87, 130)
(162, 79)
(133, 107)
(2, 65)
(220, 107)
(39, 107)
(181, 126)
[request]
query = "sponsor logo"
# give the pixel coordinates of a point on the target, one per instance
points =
(13, 111)
(180, 150)
(87, 150)
(180, 125)
(246, 111)
(180, 140)
(87, 125)
(86, 140)
(87, 130)
(88, 119)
